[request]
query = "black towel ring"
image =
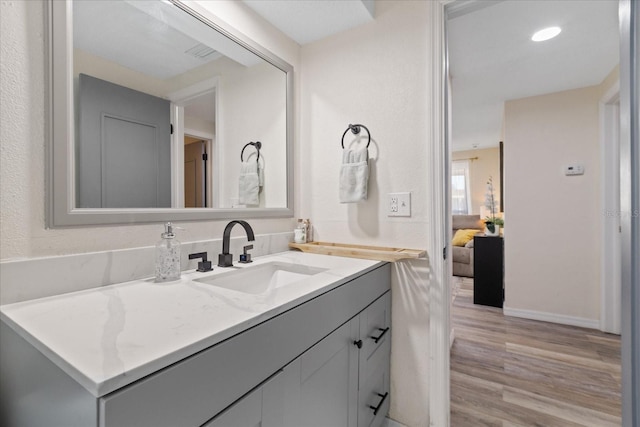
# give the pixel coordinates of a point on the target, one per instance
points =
(355, 129)
(257, 145)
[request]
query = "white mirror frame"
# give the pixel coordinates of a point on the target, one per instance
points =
(61, 210)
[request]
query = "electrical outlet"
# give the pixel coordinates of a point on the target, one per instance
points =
(393, 204)
(399, 204)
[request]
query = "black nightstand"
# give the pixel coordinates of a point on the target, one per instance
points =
(488, 270)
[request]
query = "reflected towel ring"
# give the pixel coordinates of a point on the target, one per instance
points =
(257, 145)
(355, 129)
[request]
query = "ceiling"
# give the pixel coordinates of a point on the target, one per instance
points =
(492, 58)
(154, 38)
(309, 20)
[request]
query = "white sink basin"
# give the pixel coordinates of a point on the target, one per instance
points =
(261, 278)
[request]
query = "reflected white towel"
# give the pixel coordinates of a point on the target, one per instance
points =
(354, 175)
(249, 188)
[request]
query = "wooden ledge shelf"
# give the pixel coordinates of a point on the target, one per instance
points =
(377, 253)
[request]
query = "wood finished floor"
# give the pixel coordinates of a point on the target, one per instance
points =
(513, 372)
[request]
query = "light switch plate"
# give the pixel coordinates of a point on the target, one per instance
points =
(399, 204)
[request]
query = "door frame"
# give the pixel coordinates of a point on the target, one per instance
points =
(213, 171)
(610, 254)
(629, 14)
(438, 123)
(178, 100)
(439, 294)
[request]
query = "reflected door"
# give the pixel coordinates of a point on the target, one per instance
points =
(194, 173)
(123, 148)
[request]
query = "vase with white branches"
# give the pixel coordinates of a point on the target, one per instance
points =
(491, 222)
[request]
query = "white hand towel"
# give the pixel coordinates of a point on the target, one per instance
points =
(354, 175)
(260, 174)
(249, 188)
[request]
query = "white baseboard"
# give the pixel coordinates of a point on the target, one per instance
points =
(388, 422)
(552, 317)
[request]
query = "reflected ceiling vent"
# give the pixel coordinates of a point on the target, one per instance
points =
(201, 51)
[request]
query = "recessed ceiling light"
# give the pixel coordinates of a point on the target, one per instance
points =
(546, 34)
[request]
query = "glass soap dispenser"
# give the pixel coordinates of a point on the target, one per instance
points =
(168, 256)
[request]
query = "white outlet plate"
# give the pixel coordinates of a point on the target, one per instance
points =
(399, 204)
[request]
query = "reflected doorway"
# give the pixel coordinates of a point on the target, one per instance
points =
(196, 172)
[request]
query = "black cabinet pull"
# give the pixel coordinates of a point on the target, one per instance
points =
(379, 337)
(358, 343)
(377, 408)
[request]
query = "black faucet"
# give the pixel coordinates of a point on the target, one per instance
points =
(225, 259)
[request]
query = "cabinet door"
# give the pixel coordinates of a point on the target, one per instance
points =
(281, 398)
(247, 412)
(263, 407)
(329, 380)
(374, 358)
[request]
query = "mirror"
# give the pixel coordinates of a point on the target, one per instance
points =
(159, 113)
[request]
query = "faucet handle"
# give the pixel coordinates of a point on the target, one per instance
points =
(245, 258)
(204, 265)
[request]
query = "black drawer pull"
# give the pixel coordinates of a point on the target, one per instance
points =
(358, 343)
(379, 337)
(377, 408)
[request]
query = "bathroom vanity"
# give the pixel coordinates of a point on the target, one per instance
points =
(292, 339)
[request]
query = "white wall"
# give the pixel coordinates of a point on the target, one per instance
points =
(253, 108)
(376, 75)
(22, 142)
(552, 237)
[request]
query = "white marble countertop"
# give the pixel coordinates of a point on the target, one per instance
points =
(108, 337)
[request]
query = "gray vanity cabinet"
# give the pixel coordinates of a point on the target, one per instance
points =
(328, 380)
(334, 383)
(318, 364)
(245, 413)
(344, 376)
(319, 388)
(262, 407)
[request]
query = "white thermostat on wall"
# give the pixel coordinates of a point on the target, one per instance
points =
(574, 169)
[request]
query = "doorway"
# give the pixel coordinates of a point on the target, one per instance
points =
(547, 116)
(629, 19)
(194, 167)
(197, 179)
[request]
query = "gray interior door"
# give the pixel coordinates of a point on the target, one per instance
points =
(123, 147)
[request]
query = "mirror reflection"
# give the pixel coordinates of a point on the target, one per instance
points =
(164, 105)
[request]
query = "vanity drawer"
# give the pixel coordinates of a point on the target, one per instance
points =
(375, 332)
(375, 326)
(191, 392)
(373, 396)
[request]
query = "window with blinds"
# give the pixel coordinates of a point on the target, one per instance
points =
(460, 193)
